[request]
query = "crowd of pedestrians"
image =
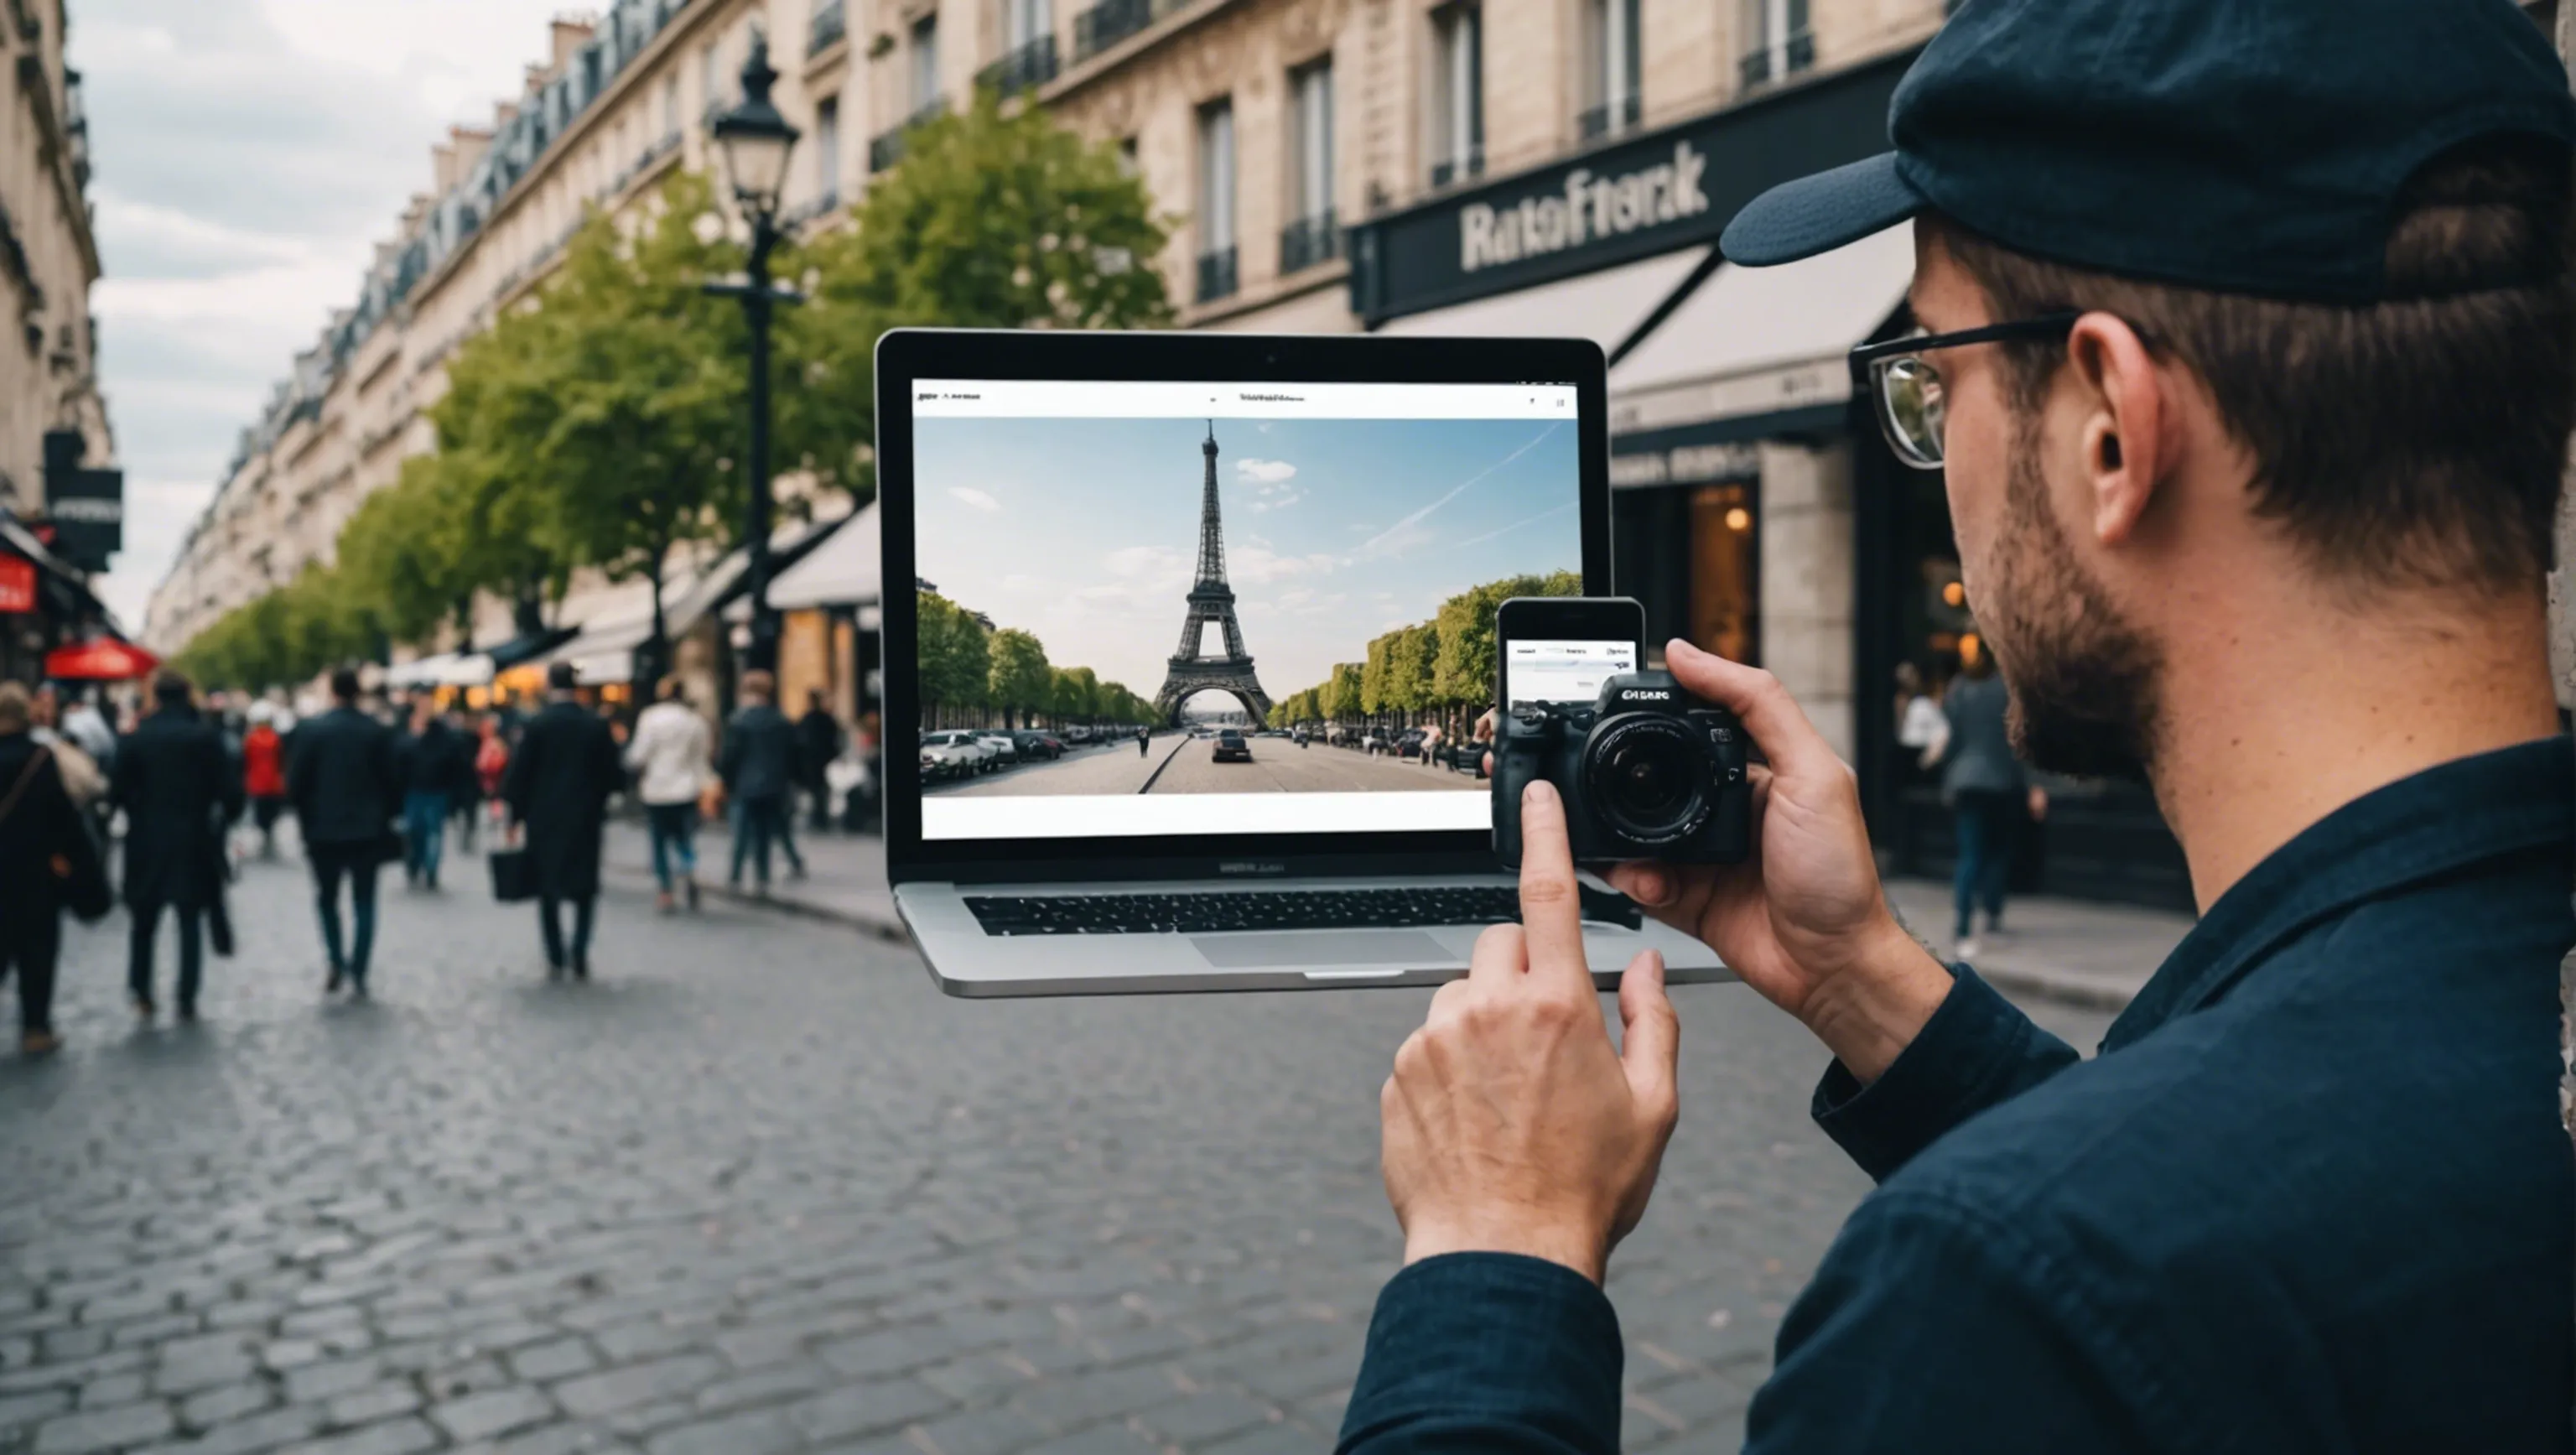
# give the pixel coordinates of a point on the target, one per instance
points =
(370, 780)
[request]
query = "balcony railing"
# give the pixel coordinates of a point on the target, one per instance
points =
(1216, 275)
(1308, 241)
(1459, 169)
(1111, 21)
(1025, 68)
(1608, 118)
(1799, 54)
(831, 26)
(887, 148)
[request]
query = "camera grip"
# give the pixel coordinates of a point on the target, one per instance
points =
(1513, 773)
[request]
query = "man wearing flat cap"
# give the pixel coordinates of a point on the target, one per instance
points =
(2247, 345)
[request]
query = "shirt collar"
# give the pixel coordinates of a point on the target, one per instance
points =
(2443, 819)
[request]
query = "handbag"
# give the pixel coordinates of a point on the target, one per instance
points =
(514, 878)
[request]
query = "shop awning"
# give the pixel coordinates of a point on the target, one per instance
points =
(1753, 352)
(520, 650)
(605, 653)
(102, 659)
(447, 669)
(845, 570)
(1605, 307)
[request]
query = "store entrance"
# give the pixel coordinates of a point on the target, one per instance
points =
(2100, 840)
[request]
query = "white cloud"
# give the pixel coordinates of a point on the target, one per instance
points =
(975, 498)
(1265, 472)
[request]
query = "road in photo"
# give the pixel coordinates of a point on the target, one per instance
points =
(1176, 763)
(1279, 766)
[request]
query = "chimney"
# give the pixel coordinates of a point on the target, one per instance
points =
(443, 168)
(470, 143)
(569, 34)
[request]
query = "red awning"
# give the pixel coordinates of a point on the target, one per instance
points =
(102, 660)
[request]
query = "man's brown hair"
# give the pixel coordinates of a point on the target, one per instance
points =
(2414, 441)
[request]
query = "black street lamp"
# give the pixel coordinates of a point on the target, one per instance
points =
(753, 141)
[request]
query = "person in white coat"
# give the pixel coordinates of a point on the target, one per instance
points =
(672, 754)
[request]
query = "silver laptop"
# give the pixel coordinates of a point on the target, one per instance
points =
(1182, 694)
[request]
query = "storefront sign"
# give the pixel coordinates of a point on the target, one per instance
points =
(1648, 194)
(1591, 208)
(85, 506)
(17, 585)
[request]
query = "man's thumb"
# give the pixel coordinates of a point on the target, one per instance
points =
(1650, 1042)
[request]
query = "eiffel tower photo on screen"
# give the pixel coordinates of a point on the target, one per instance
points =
(1335, 600)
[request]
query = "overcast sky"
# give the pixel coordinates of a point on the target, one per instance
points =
(248, 155)
(1084, 532)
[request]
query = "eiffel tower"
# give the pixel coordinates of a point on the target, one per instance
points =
(1211, 600)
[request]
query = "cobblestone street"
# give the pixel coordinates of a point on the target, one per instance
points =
(760, 1188)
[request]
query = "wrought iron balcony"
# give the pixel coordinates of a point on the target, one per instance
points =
(1024, 68)
(1216, 275)
(1308, 241)
(1608, 118)
(1111, 21)
(831, 26)
(887, 147)
(1798, 55)
(1459, 169)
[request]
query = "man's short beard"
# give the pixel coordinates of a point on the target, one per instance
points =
(2084, 681)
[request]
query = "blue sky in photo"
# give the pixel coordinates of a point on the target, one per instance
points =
(1084, 532)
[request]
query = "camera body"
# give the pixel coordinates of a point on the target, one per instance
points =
(1646, 772)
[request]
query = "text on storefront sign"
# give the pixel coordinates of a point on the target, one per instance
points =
(1590, 208)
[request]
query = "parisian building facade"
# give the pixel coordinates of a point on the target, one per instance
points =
(48, 259)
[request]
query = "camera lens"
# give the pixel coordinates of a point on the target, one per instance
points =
(1648, 777)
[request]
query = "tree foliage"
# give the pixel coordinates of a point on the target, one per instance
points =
(1440, 665)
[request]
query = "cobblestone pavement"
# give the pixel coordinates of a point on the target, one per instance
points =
(760, 1188)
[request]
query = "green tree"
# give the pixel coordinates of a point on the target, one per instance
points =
(956, 666)
(995, 220)
(1373, 688)
(1464, 670)
(1413, 658)
(643, 371)
(1342, 692)
(1018, 679)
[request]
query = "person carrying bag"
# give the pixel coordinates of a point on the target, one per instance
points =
(48, 863)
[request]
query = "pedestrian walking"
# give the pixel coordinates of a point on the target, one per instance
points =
(672, 756)
(818, 742)
(557, 786)
(264, 775)
(1988, 792)
(180, 794)
(759, 768)
(1141, 735)
(491, 760)
(40, 831)
(345, 779)
(431, 766)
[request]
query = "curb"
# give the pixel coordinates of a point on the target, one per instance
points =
(875, 928)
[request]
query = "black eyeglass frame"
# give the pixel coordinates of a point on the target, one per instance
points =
(1869, 362)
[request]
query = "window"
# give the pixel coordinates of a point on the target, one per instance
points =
(1311, 236)
(925, 63)
(1025, 22)
(1457, 94)
(1127, 164)
(827, 147)
(1216, 201)
(671, 104)
(711, 77)
(1777, 43)
(1610, 67)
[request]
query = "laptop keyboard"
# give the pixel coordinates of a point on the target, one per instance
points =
(1268, 909)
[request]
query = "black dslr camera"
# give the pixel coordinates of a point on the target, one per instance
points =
(1647, 772)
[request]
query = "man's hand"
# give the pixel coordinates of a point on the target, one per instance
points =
(1512, 1124)
(1802, 920)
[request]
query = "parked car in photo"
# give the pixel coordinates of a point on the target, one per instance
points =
(976, 755)
(1231, 747)
(944, 757)
(1077, 735)
(1409, 745)
(1034, 745)
(1006, 748)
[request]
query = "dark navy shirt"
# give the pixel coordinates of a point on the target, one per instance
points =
(2312, 1195)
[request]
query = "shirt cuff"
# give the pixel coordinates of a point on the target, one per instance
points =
(1493, 1341)
(1976, 1051)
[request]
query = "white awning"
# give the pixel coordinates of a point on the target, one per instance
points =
(606, 652)
(1604, 307)
(846, 570)
(1749, 343)
(447, 669)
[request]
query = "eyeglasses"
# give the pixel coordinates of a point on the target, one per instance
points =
(1913, 409)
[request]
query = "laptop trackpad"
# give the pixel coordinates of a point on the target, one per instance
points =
(1322, 947)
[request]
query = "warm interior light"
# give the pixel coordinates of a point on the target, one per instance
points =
(1739, 520)
(1955, 594)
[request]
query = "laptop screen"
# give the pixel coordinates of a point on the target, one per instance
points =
(1194, 608)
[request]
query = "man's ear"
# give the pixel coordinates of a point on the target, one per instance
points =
(2127, 447)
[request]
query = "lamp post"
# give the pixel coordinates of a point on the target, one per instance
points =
(753, 140)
